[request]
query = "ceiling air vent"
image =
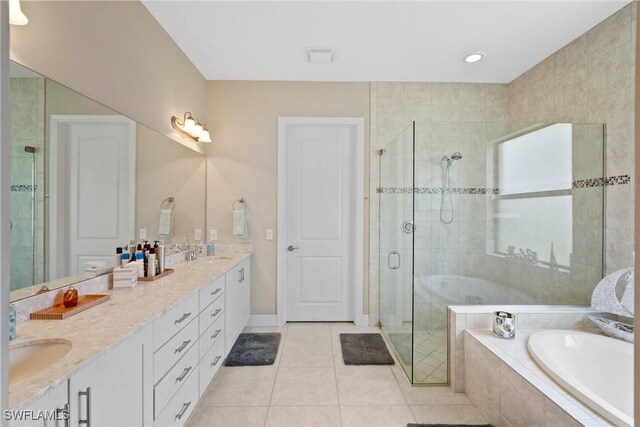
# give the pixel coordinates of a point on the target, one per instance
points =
(320, 55)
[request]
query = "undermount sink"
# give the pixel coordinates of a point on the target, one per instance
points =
(28, 359)
(221, 257)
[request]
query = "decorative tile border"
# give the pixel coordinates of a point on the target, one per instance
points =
(598, 182)
(24, 188)
(582, 183)
(436, 190)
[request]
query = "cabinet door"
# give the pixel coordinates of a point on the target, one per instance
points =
(233, 292)
(48, 411)
(245, 293)
(113, 390)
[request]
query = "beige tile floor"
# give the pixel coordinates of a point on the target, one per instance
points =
(309, 385)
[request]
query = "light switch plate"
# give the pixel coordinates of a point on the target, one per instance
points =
(197, 234)
(143, 234)
(213, 235)
(269, 234)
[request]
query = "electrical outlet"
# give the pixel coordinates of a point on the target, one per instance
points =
(197, 234)
(213, 235)
(143, 234)
(269, 234)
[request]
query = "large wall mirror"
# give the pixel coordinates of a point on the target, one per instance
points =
(85, 180)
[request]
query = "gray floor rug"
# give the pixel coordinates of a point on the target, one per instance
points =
(449, 425)
(364, 349)
(254, 349)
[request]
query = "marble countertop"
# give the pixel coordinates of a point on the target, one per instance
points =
(94, 331)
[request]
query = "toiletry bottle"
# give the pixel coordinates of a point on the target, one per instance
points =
(132, 250)
(122, 257)
(140, 262)
(151, 263)
(118, 257)
(159, 256)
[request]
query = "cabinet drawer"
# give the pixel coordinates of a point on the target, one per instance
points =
(174, 320)
(179, 408)
(210, 314)
(210, 363)
(172, 351)
(213, 334)
(211, 292)
(174, 379)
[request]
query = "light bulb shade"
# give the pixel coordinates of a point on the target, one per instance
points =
(189, 125)
(205, 137)
(198, 131)
(16, 17)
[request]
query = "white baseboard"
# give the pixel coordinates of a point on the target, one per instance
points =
(263, 320)
(362, 320)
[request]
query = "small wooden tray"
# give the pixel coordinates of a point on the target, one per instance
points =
(167, 271)
(60, 312)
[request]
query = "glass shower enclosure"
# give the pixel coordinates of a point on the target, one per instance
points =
(516, 219)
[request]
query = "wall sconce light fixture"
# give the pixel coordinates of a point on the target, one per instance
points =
(191, 127)
(16, 17)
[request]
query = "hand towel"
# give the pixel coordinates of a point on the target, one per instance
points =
(166, 218)
(240, 223)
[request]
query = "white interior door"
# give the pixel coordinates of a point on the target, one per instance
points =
(321, 215)
(95, 157)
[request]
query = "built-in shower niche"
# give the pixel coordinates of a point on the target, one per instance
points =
(545, 214)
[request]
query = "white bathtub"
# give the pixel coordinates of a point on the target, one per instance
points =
(454, 289)
(596, 369)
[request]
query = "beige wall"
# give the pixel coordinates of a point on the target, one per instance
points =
(115, 53)
(590, 81)
(164, 169)
(243, 118)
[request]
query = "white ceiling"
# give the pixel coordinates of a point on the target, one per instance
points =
(374, 41)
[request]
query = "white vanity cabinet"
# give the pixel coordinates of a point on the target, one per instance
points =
(110, 391)
(238, 301)
(49, 406)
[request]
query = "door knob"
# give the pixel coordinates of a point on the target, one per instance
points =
(292, 248)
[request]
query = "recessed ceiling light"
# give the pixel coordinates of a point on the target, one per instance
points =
(473, 57)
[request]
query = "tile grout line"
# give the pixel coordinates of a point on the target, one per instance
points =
(335, 372)
(266, 415)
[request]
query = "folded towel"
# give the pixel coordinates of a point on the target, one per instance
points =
(166, 219)
(240, 223)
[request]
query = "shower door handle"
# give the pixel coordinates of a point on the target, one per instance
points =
(393, 260)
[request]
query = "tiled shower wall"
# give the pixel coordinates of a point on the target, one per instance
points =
(588, 81)
(449, 117)
(591, 80)
(27, 129)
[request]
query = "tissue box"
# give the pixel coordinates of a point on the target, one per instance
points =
(125, 276)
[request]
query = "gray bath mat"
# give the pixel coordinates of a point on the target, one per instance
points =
(364, 349)
(449, 425)
(254, 349)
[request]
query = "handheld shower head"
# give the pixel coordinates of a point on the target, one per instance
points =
(450, 160)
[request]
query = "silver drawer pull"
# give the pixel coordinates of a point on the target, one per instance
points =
(182, 318)
(183, 410)
(215, 313)
(182, 346)
(215, 334)
(215, 362)
(183, 375)
(216, 291)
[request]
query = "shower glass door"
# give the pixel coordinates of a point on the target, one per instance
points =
(396, 202)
